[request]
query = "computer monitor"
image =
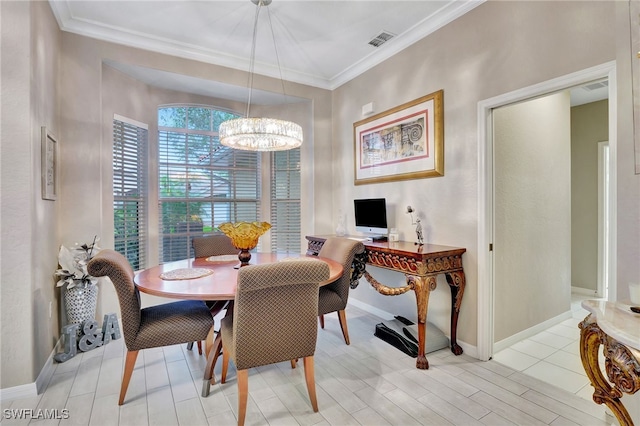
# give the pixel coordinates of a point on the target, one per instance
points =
(371, 217)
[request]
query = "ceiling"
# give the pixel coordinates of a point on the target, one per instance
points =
(319, 43)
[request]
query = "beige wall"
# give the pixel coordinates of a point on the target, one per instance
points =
(532, 213)
(29, 246)
(589, 125)
(496, 48)
(627, 213)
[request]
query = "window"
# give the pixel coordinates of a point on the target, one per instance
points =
(129, 190)
(201, 183)
(285, 201)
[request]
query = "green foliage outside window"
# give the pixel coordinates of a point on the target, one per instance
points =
(200, 181)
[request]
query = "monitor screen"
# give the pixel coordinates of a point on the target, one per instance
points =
(371, 216)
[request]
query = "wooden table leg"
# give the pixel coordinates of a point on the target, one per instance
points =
(208, 343)
(621, 366)
(212, 356)
(422, 286)
(456, 282)
(213, 351)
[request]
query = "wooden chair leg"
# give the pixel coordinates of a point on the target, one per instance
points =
(225, 365)
(321, 318)
(189, 346)
(243, 392)
(293, 363)
(129, 363)
(309, 376)
(342, 317)
(199, 347)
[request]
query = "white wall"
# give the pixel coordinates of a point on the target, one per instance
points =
(532, 213)
(627, 213)
(29, 237)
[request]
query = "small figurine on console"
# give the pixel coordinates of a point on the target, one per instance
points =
(418, 226)
(419, 232)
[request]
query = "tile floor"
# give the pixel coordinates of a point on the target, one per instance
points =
(366, 383)
(553, 355)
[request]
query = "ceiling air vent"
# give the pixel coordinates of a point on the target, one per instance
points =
(596, 85)
(381, 38)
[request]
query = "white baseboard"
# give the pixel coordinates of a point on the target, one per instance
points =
(585, 291)
(371, 309)
(17, 392)
(532, 331)
(470, 350)
(32, 389)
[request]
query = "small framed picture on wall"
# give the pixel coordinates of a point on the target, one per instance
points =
(49, 165)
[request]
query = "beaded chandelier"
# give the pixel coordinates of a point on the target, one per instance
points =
(257, 133)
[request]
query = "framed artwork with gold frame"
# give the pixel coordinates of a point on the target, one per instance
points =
(405, 142)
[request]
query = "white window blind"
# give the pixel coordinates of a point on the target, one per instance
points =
(285, 201)
(201, 183)
(130, 141)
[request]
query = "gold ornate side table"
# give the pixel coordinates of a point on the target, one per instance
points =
(617, 329)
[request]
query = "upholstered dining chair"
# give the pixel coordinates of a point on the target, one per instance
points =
(333, 297)
(162, 325)
(274, 320)
(212, 245)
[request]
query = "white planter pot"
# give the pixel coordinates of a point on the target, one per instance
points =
(80, 303)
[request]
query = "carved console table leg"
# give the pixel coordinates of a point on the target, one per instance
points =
(422, 286)
(622, 367)
(456, 282)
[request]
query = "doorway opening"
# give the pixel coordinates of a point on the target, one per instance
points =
(486, 229)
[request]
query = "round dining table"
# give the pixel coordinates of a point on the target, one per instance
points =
(212, 278)
(221, 280)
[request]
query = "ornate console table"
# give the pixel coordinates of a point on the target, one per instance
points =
(421, 265)
(614, 326)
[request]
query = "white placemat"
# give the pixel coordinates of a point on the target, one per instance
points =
(223, 258)
(186, 274)
(288, 259)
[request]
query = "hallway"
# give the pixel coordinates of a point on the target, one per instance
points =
(553, 355)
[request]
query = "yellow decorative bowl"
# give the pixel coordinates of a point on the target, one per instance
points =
(244, 236)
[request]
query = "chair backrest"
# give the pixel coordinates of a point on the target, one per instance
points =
(341, 250)
(275, 312)
(213, 245)
(110, 263)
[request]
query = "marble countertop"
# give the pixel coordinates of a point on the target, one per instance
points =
(617, 320)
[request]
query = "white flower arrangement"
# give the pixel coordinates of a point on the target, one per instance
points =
(73, 263)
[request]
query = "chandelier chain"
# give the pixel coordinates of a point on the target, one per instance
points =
(252, 58)
(260, 133)
(275, 48)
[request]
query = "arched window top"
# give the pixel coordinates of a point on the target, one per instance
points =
(193, 117)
